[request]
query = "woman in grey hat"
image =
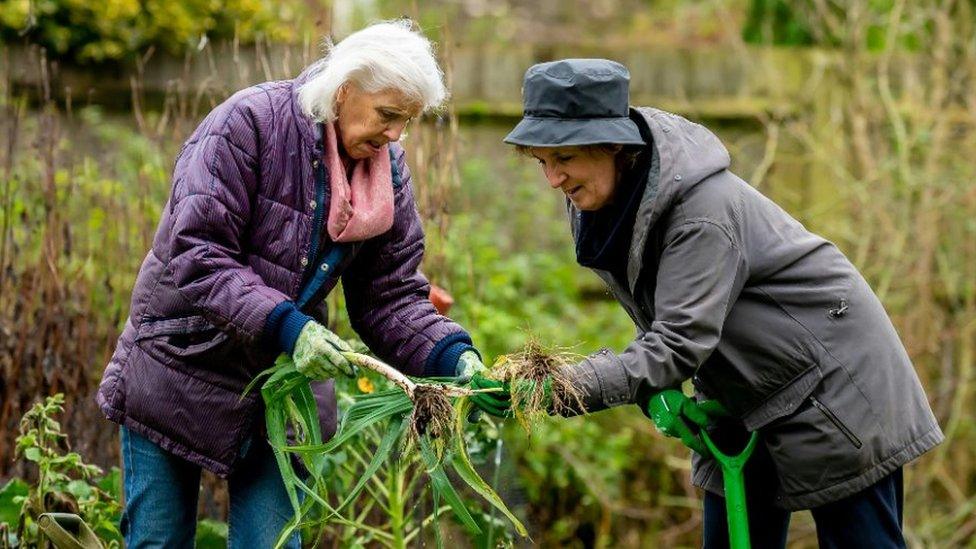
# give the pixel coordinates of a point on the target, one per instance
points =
(728, 290)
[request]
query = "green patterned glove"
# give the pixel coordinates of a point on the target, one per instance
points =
(469, 364)
(676, 415)
(318, 353)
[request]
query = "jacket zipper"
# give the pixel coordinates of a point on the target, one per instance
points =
(837, 422)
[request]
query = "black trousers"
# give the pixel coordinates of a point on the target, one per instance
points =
(870, 518)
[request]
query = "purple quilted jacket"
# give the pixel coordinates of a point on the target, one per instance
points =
(242, 233)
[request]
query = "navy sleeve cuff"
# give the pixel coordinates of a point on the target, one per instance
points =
(283, 325)
(443, 358)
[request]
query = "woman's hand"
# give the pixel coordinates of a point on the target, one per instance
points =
(499, 401)
(672, 411)
(469, 364)
(318, 353)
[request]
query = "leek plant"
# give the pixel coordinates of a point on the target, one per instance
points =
(398, 436)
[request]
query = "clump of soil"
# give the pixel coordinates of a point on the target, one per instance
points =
(433, 414)
(531, 373)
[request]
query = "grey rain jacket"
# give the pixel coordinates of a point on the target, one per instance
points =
(773, 321)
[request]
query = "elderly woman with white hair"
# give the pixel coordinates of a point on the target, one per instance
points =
(282, 189)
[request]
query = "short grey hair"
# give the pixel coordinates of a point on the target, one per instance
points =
(382, 56)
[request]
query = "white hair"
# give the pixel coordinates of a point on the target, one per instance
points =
(382, 56)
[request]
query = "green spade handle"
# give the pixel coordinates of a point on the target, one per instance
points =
(735, 489)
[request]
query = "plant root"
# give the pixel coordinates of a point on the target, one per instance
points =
(433, 413)
(528, 371)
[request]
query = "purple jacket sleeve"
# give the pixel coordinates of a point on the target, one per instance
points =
(215, 178)
(387, 296)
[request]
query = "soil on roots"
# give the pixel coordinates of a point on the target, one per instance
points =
(433, 414)
(539, 382)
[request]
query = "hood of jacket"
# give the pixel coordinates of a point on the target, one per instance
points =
(683, 153)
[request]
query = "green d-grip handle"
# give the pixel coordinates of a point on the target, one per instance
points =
(735, 489)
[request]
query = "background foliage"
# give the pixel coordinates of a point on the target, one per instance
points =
(873, 151)
(86, 31)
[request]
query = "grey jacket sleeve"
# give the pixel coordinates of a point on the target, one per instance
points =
(700, 274)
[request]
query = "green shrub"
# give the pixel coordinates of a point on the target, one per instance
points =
(86, 31)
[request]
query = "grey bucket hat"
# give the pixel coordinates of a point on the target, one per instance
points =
(575, 102)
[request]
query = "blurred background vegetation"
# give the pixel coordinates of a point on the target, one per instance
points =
(858, 116)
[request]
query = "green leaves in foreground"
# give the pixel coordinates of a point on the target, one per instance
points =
(289, 405)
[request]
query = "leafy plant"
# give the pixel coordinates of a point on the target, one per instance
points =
(413, 422)
(211, 534)
(64, 482)
(102, 30)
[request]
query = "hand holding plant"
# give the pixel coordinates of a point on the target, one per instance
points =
(469, 364)
(318, 353)
(528, 384)
(497, 398)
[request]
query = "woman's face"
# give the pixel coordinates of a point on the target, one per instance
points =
(586, 175)
(367, 121)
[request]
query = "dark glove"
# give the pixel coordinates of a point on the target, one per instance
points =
(499, 401)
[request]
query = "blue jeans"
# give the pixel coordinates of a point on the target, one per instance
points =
(870, 518)
(161, 492)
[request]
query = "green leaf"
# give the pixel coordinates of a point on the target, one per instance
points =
(111, 483)
(353, 424)
(211, 534)
(26, 441)
(308, 416)
(466, 471)
(10, 502)
(33, 454)
(275, 423)
(398, 427)
(79, 489)
(442, 486)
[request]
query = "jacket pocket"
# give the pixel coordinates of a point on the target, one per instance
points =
(180, 337)
(836, 421)
(826, 441)
(785, 401)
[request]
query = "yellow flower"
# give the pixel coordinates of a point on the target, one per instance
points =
(365, 385)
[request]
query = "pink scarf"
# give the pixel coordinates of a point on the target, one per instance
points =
(363, 207)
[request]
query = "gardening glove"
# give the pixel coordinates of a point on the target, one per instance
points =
(499, 403)
(676, 415)
(318, 353)
(469, 364)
